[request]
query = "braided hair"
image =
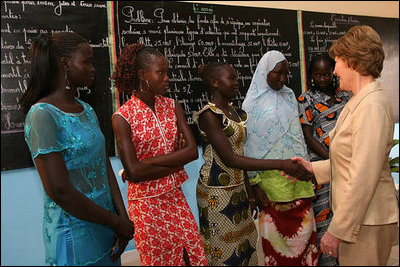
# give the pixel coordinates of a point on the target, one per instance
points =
(323, 56)
(209, 72)
(133, 58)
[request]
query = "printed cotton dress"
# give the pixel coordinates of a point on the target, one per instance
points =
(317, 113)
(226, 224)
(164, 223)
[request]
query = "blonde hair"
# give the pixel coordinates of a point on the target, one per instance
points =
(362, 49)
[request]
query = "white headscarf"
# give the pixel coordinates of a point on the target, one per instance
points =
(271, 114)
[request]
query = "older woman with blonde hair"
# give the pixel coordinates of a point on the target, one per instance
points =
(363, 195)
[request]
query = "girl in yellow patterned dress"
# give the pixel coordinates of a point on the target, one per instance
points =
(226, 223)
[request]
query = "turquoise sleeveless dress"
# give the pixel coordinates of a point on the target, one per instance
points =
(77, 136)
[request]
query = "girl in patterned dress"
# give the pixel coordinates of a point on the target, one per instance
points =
(146, 129)
(319, 109)
(287, 224)
(226, 222)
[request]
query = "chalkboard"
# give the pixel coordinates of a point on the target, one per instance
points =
(190, 34)
(20, 22)
(320, 30)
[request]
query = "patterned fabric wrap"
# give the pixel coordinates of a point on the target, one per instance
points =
(153, 134)
(226, 225)
(316, 112)
(164, 225)
(288, 234)
(323, 217)
(77, 136)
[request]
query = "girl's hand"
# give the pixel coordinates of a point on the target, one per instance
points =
(252, 202)
(119, 246)
(306, 164)
(181, 141)
(295, 169)
(123, 175)
(261, 198)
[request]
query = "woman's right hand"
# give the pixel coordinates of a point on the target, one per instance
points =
(123, 226)
(295, 169)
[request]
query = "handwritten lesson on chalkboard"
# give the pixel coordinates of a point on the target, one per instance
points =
(21, 21)
(191, 34)
(320, 30)
(188, 34)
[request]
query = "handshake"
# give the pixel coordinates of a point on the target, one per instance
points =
(298, 168)
(294, 169)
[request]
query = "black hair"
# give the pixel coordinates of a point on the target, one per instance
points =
(209, 72)
(45, 52)
(133, 58)
(322, 56)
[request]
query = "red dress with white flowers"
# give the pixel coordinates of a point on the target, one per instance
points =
(164, 223)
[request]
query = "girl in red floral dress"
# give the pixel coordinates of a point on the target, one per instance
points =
(146, 128)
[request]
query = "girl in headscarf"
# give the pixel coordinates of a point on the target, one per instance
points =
(287, 224)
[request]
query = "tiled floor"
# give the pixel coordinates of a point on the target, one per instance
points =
(131, 258)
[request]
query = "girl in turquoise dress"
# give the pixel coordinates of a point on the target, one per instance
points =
(85, 221)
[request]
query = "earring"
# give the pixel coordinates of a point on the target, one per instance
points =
(148, 85)
(67, 84)
(312, 82)
(334, 82)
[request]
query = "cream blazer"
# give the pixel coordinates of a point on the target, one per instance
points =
(362, 188)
